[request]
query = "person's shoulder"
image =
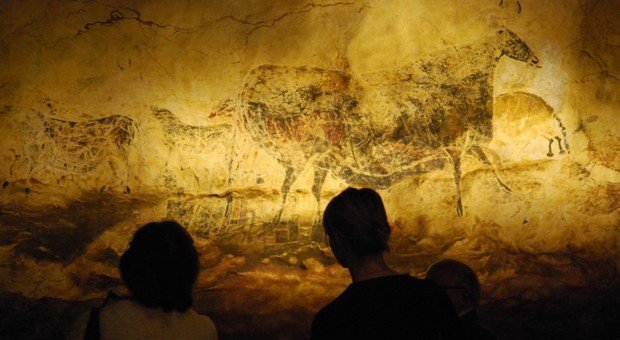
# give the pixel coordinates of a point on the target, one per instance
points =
(327, 310)
(204, 322)
(430, 294)
(341, 301)
(426, 285)
(419, 284)
(330, 312)
(121, 306)
(200, 318)
(323, 322)
(78, 329)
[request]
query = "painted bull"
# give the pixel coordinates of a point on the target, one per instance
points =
(376, 129)
(80, 147)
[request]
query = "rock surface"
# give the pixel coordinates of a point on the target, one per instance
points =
(490, 129)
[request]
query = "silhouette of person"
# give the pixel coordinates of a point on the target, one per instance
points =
(380, 303)
(160, 269)
(463, 288)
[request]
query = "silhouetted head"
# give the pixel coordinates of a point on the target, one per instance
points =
(459, 281)
(161, 266)
(356, 224)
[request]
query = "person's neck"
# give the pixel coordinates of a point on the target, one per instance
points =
(370, 267)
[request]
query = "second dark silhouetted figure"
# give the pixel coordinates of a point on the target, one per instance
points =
(463, 288)
(380, 303)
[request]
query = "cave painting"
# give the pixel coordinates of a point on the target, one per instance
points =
(241, 122)
(74, 149)
(78, 151)
(80, 146)
(186, 146)
(374, 130)
(379, 128)
(529, 126)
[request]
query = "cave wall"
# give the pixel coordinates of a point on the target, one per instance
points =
(490, 128)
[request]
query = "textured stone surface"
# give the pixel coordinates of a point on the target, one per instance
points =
(489, 127)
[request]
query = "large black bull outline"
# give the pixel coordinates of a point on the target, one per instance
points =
(404, 121)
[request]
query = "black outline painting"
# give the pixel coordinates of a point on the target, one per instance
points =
(376, 129)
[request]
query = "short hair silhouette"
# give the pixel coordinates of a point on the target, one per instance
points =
(161, 266)
(460, 273)
(358, 217)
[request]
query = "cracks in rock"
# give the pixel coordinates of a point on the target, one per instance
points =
(272, 22)
(126, 14)
(160, 65)
(119, 14)
(602, 65)
(79, 11)
(21, 30)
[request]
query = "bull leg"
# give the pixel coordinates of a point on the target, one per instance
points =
(169, 156)
(289, 179)
(559, 144)
(320, 172)
(482, 156)
(457, 181)
(456, 162)
(229, 208)
(551, 139)
(233, 167)
(115, 181)
(550, 153)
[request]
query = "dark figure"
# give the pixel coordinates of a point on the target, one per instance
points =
(463, 288)
(380, 303)
(160, 269)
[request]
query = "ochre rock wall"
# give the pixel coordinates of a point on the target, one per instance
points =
(489, 127)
